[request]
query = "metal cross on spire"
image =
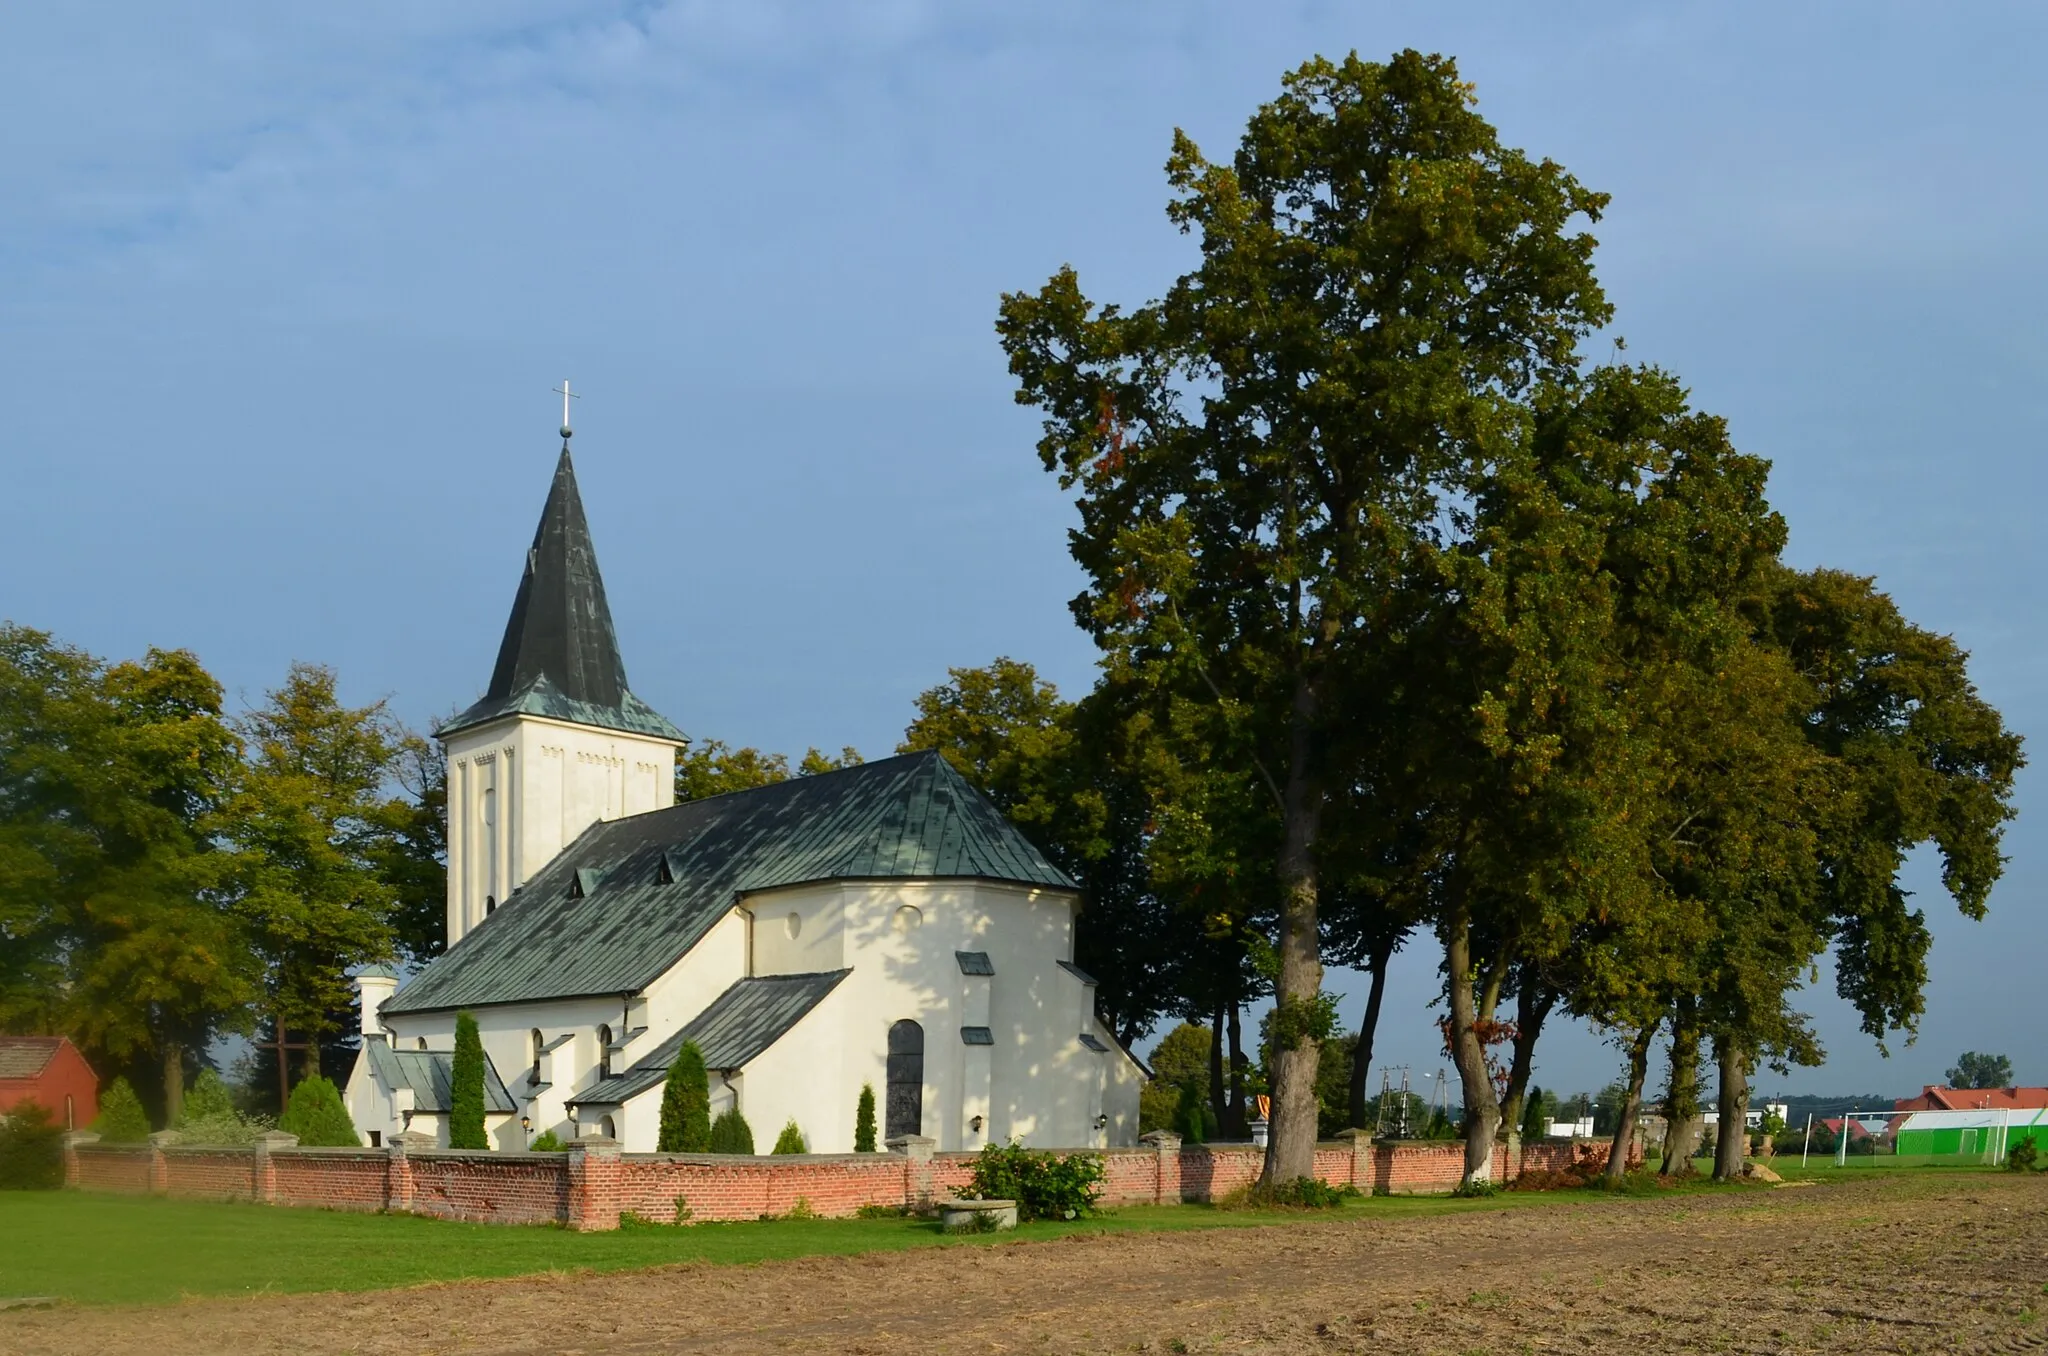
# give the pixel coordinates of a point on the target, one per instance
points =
(564, 392)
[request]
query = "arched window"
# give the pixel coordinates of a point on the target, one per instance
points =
(490, 906)
(70, 1113)
(906, 1080)
(604, 1054)
(536, 1040)
(420, 1044)
(610, 1128)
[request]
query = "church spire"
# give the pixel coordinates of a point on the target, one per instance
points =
(560, 656)
(561, 627)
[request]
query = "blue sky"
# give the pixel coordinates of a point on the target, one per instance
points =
(283, 293)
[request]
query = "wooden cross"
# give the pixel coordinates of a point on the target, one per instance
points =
(280, 1044)
(564, 393)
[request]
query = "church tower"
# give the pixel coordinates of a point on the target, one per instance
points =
(558, 741)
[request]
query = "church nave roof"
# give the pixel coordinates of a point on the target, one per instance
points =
(629, 897)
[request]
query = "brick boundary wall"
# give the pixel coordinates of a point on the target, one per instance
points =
(591, 1185)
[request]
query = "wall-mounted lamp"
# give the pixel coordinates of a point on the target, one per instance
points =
(526, 1124)
(974, 1124)
(1102, 1122)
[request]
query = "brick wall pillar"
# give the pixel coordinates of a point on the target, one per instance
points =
(398, 1188)
(1166, 1169)
(596, 1178)
(917, 1168)
(262, 1171)
(1361, 1158)
(73, 1141)
(159, 1166)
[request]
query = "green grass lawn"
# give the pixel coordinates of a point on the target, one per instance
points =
(95, 1249)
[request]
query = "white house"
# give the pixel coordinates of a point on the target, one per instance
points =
(883, 925)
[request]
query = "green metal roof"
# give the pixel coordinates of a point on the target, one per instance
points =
(740, 1023)
(560, 657)
(907, 817)
(430, 1075)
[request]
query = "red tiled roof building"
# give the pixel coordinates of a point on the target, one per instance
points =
(49, 1070)
(1933, 1098)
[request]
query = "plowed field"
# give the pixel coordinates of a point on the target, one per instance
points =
(1933, 1264)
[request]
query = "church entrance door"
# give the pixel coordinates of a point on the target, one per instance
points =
(905, 1110)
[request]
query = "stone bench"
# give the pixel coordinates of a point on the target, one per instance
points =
(976, 1216)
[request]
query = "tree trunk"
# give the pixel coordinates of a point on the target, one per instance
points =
(1732, 1137)
(1631, 1105)
(1291, 1135)
(1482, 1111)
(173, 1057)
(1361, 1054)
(309, 1058)
(1240, 1122)
(1682, 1123)
(1218, 1090)
(1532, 1006)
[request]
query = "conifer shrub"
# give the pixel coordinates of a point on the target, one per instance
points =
(209, 1115)
(2023, 1156)
(686, 1105)
(316, 1115)
(730, 1133)
(31, 1149)
(547, 1142)
(466, 1087)
(121, 1119)
(1192, 1116)
(790, 1141)
(864, 1121)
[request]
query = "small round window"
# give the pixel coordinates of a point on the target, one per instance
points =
(793, 925)
(908, 919)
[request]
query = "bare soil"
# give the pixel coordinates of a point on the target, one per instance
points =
(1936, 1264)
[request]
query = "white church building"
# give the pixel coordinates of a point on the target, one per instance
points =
(883, 925)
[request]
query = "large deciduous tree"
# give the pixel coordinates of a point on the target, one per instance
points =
(313, 823)
(112, 908)
(1264, 456)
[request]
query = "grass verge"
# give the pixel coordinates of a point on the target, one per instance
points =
(95, 1249)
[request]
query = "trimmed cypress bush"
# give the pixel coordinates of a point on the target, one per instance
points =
(730, 1133)
(686, 1105)
(121, 1119)
(318, 1118)
(790, 1141)
(466, 1090)
(1188, 1117)
(864, 1121)
(31, 1149)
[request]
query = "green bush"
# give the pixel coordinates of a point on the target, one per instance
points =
(790, 1141)
(2023, 1156)
(1304, 1193)
(465, 1088)
(121, 1119)
(31, 1149)
(547, 1142)
(209, 1115)
(318, 1118)
(730, 1133)
(686, 1104)
(864, 1121)
(1044, 1185)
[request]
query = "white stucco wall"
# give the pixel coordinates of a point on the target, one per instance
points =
(1038, 1083)
(520, 789)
